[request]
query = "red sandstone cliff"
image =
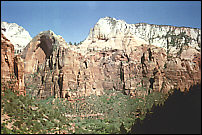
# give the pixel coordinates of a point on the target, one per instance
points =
(53, 69)
(12, 68)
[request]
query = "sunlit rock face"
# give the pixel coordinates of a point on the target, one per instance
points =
(39, 49)
(17, 35)
(115, 55)
(7, 55)
(12, 68)
(110, 33)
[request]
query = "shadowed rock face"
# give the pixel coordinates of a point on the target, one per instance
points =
(46, 45)
(37, 51)
(128, 64)
(66, 73)
(12, 68)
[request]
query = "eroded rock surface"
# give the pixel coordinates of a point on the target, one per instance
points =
(12, 67)
(110, 33)
(17, 35)
(69, 74)
(117, 56)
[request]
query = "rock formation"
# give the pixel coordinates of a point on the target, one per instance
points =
(110, 33)
(113, 56)
(12, 68)
(17, 35)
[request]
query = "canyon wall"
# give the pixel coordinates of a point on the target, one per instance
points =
(109, 33)
(12, 68)
(122, 60)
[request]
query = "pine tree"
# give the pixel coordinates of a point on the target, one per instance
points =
(70, 43)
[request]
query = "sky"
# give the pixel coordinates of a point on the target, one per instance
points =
(74, 19)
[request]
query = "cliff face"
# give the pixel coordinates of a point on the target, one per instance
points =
(112, 57)
(117, 34)
(17, 35)
(40, 49)
(12, 67)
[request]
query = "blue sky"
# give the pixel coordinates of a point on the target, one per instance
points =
(73, 19)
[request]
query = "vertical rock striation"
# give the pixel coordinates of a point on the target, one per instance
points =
(12, 68)
(115, 55)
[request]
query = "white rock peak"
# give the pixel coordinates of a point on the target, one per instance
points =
(17, 35)
(111, 33)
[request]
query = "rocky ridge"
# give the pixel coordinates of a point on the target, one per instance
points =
(112, 57)
(110, 33)
(17, 35)
(136, 69)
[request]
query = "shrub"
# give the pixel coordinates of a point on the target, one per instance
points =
(112, 112)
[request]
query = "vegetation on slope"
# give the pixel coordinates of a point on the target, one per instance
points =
(112, 112)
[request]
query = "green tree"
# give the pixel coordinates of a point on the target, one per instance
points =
(70, 43)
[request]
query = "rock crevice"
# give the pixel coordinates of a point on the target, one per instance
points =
(115, 55)
(12, 68)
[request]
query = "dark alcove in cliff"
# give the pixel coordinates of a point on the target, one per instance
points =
(46, 45)
(181, 114)
(15, 67)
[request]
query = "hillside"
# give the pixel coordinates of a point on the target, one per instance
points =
(115, 76)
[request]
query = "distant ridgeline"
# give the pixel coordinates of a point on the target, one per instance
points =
(115, 55)
(116, 32)
(17, 35)
(138, 61)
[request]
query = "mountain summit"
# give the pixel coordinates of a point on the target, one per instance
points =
(17, 35)
(117, 34)
(115, 55)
